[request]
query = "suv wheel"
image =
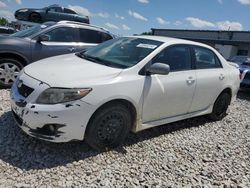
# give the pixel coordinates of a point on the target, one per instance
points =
(9, 70)
(109, 127)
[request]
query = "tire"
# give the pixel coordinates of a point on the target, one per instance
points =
(34, 17)
(109, 127)
(220, 107)
(9, 70)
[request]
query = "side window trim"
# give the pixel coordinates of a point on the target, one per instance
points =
(192, 61)
(192, 47)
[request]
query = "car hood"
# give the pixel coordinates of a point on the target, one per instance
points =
(70, 71)
(7, 40)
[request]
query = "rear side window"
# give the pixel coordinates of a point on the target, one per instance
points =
(68, 11)
(92, 36)
(106, 37)
(177, 57)
(205, 59)
(63, 34)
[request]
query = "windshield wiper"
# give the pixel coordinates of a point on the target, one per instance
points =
(100, 61)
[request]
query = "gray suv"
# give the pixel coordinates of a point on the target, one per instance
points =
(46, 40)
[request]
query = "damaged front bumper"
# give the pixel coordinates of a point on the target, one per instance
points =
(55, 123)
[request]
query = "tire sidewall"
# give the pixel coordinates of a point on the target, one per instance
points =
(214, 115)
(13, 61)
(91, 131)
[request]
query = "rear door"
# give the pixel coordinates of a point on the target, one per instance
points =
(62, 40)
(89, 38)
(210, 78)
(53, 14)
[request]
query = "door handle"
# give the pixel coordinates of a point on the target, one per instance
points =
(72, 49)
(190, 80)
(221, 77)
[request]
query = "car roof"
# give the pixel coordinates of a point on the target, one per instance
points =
(84, 25)
(171, 40)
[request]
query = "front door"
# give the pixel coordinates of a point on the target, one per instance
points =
(169, 95)
(61, 41)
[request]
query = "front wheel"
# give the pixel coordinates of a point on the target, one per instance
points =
(109, 127)
(220, 107)
(9, 70)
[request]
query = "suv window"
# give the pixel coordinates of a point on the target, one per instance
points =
(206, 59)
(68, 11)
(63, 34)
(92, 36)
(177, 57)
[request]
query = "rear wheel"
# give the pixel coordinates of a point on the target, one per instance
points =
(9, 70)
(34, 17)
(220, 107)
(109, 127)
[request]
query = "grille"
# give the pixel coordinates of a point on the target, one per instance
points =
(24, 90)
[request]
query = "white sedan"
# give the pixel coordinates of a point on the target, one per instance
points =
(125, 84)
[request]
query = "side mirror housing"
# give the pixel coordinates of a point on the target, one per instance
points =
(158, 68)
(43, 38)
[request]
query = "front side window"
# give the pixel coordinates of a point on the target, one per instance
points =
(177, 57)
(54, 9)
(63, 34)
(122, 52)
(205, 59)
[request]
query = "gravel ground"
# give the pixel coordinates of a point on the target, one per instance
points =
(190, 153)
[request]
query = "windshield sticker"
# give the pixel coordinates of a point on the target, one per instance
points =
(150, 46)
(43, 26)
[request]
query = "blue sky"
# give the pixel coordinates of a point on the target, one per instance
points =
(127, 17)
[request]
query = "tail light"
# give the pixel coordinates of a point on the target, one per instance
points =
(240, 75)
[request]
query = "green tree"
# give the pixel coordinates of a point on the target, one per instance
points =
(147, 33)
(3, 21)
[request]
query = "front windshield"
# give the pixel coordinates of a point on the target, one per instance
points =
(30, 31)
(121, 52)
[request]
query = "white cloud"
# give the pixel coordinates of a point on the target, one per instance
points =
(103, 14)
(7, 14)
(198, 23)
(162, 21)
(177, 23)
(125, 27)
(244, 2)
(120, 17)
(112, 26)
(143, 1)
(80, 10)
(227, 25)
(19, 2)
(2, 4)
(137, 15)
(220, 1)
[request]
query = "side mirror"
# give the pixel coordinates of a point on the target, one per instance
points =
(158, 68)
(43, 38)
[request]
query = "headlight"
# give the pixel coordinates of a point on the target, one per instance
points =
(58, 95)
(23, 10)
